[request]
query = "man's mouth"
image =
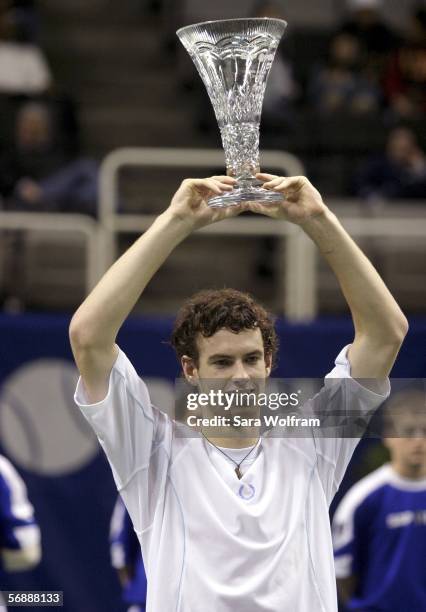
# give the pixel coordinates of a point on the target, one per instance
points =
(240, 390)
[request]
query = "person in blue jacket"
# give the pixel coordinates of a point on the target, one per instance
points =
(379, 528)
(20, 547)
(126, 558)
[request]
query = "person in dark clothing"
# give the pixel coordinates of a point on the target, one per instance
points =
(398, 174)
(405, 78)
(366, 24)
(37, 174)
(377, 40)
(342, 84)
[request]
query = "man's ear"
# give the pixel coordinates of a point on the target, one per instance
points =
(189, 369)
(268, 364)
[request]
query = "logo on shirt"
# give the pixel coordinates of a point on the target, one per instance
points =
(246, 491)
(402, 519)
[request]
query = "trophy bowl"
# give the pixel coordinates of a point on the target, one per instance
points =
(233, 58)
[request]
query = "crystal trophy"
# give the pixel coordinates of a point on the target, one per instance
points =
(233, 58)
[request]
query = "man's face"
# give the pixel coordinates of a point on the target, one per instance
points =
(234, 358)
(33, 130)
(410, 448)
(401, 145)
(230, 362)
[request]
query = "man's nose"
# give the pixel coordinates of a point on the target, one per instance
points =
(240, 375)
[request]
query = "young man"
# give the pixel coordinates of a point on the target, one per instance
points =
(241, 527)
(20, 548)
(379, 529)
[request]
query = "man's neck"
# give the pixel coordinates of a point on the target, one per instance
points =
(227, 442)
(416, 472)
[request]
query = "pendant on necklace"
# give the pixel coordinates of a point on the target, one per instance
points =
(238, 472)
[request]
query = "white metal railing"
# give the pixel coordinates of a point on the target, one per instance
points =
(299, 255)
(297, 248)
(58, 223)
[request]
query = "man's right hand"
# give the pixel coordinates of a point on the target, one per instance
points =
(189, 204)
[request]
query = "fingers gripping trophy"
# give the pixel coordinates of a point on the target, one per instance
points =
(234, 57)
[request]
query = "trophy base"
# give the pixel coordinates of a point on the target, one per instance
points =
(245, 193)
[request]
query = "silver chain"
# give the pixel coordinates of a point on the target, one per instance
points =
(237, 469)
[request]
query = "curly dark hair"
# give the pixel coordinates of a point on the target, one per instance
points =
(210, 310)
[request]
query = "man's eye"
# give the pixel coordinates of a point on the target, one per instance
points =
(222, 363)
(253, 359)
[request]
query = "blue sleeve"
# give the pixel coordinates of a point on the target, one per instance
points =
(125, 546)
(125, 550)
(8, 518)
(350, 528)
(349, 541)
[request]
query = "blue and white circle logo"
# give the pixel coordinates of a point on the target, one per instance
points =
(41, 429)
(246, 491)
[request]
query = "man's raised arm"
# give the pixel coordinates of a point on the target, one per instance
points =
(380, 325)
(95, 325)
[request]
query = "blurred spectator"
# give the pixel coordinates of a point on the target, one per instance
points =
(20, 548)
(37, 174)
(398, 174)
(281, 89)
(379, 528)
(374, 36)
(126, 558)
(417, 29)
(405, 80)
(343, 84)
(366, 24)
(26, 19)
(23, 67)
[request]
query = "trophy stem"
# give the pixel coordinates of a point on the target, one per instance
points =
(241, 145)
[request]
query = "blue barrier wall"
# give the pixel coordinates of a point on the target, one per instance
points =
(74, 506)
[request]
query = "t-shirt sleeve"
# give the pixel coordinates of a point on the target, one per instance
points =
(135, 436)
(18, 528)
(349, 405)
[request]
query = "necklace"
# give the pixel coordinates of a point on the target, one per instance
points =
(237, 469)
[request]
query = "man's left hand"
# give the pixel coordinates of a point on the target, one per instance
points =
(301, 203)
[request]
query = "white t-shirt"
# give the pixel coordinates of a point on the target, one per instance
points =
(214, 543)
